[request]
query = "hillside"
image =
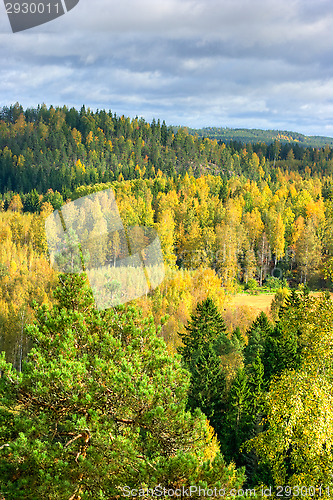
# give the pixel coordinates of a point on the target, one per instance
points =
(257, 135)
(63, 148)
(101, 397)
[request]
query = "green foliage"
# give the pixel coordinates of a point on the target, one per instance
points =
(206, 326)
(296, 441)
(32, 201)
(208, 384)
(273, 283)
(281, 351)
(63, 148)
(257, 335)
(261, 136)
(234, 208)
(237, 339)
(278, 302)
(244, 410)
(251, 284)
(204, 342)
(99, 405)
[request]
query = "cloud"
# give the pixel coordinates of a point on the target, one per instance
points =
(193, 62)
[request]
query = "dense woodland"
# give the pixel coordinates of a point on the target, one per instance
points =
(257, 135)
(177, 387)
(62, 148)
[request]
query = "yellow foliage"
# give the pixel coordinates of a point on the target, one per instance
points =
(16, 204)
(90, 138)
(80, 167)
(13, 267)
(212, 444)
(76, 136)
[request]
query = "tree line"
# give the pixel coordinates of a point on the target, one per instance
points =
(247, 231)
(61, 148)
(255, 136)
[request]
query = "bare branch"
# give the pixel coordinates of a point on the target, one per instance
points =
(143, 458)
(72, 440)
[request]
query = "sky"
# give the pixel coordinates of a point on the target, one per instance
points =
(197, 63)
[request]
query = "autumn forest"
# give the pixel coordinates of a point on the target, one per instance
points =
(178, 387)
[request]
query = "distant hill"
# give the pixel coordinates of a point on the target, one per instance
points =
(257, 135)
(62, 149)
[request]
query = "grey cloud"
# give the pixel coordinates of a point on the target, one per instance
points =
(196, 62)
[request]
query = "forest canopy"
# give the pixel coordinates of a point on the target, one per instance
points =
(61, 148)
(178, 387)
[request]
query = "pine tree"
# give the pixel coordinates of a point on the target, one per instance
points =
(99, 405)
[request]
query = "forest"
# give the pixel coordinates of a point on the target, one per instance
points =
(257, 135)
(177, 388)
(63, 148)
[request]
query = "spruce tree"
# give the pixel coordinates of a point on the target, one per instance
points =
(205, 326)
(208, 385)
(243, 418)
(281, 351)
(204, 342)
(258, 332)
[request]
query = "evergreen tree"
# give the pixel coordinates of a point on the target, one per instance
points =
(99, 405)
(237, 339)
(258, 332)
(205, 326)
(208, 384)
(272, 360)
(204, 343)
(32, 201)
(291, 303)
(238, 415)
(243, 419)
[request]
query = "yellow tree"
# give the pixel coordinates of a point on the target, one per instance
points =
(208, 239)
(226, 255)
(264, 255)
(165, 201)
(298, 443)
(114, 247)
(253, 226)
(193, 247)
(249, 264)
(25, 275)
(166, 231)
(16, 204)
(308, 251)
(277, 238)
